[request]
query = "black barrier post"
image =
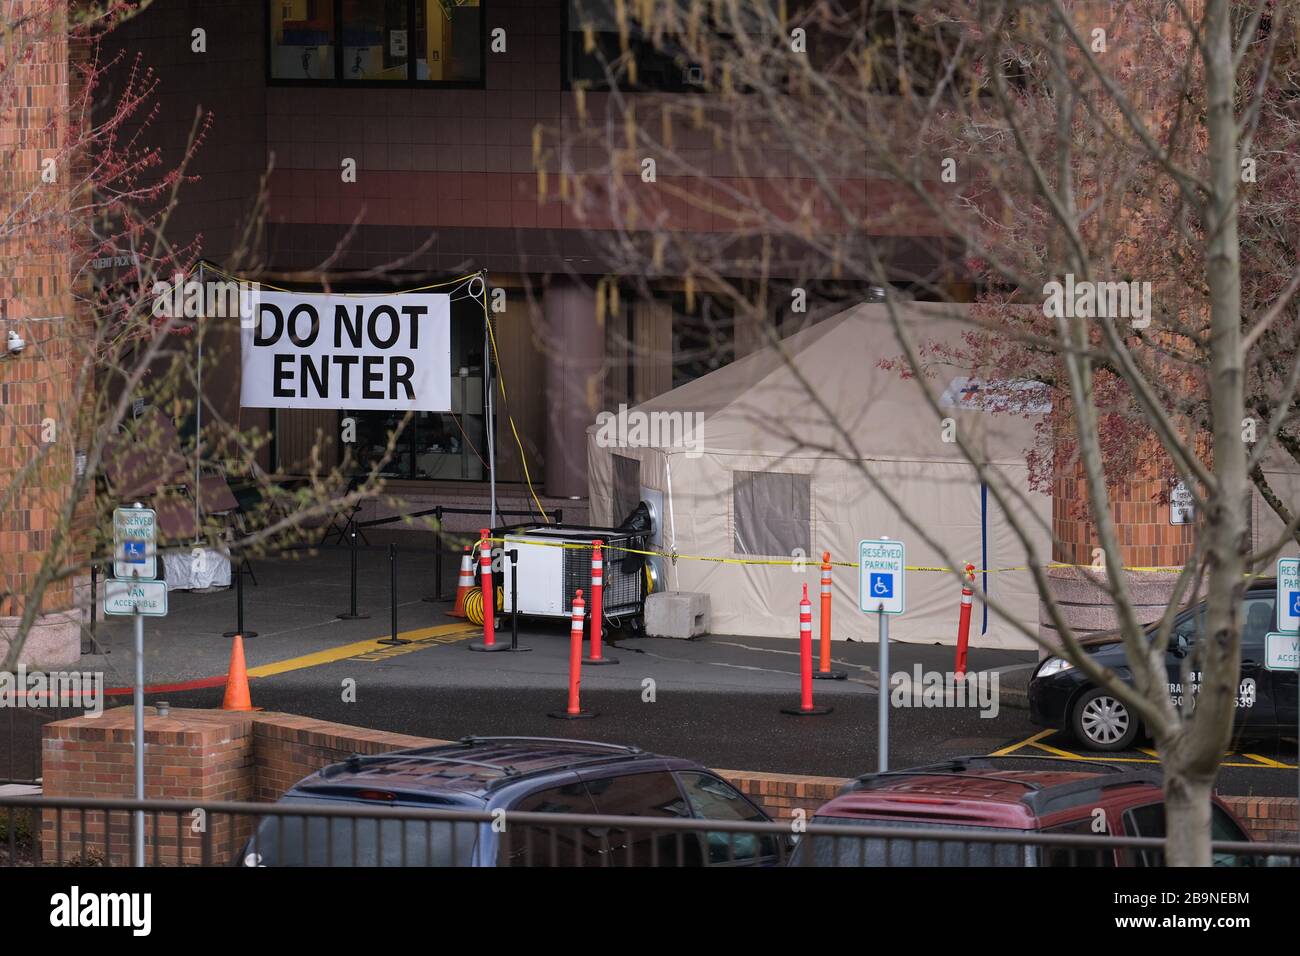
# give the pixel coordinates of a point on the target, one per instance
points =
(513, 555)
(239, 604)
(351, 614)
(89, 647)
(393, 639)
(436, 596)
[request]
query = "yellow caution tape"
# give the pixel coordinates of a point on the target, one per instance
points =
(809, 562)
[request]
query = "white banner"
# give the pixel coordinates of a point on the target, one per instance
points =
(386, 352)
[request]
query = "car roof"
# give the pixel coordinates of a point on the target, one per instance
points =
(1015, 792)
(474, 766)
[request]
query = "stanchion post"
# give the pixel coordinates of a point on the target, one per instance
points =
(352, 614)
(824, 671)
(392, 638)
(596, 620)
(574, 709)
(513, 555)
(806, 707)
(437, 556)
(238, 572)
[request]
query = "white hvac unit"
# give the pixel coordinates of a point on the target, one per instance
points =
(555, 561)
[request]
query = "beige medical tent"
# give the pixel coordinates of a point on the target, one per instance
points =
(777, 465)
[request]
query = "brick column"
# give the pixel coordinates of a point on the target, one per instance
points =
(36, 389)
(194, 756)
(1146, 538)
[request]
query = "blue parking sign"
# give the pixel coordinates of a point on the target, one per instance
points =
(133, 551)
(882, 585)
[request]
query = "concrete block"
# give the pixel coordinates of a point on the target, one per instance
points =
(681, 614)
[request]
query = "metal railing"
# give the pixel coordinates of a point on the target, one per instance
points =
(37, 831)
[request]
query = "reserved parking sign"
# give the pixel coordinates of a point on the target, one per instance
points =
(1288, 595)
(880, 576)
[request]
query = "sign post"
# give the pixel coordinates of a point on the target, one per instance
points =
(881, 565)
(135, 592)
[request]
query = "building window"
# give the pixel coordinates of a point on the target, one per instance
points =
(595, 57)
(704, 338)
(772, 513)
(627, 486)
(414, 42)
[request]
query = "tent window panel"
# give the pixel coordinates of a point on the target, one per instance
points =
(772, 513)
(627, 486)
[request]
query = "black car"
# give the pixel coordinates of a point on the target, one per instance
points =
(1061, 696)
(535, 774)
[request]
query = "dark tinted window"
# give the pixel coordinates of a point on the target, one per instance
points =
(1149, 821)
(653, 795)
(1078, 856)
(712, 798)
(1256, 621)
(534, 845)
(815, 850)
(342, 841)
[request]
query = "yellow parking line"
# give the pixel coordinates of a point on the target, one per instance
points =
(1058, 752)
(1028, 740)
(1269, 762)
(345, 651)
(1260, 763)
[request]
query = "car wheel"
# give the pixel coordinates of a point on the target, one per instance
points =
(1102, 722)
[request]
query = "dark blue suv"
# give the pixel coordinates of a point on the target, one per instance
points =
(540, 775)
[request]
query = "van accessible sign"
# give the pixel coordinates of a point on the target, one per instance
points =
(311, 350)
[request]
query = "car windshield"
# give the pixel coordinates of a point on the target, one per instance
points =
(348, 841)
(815, 850)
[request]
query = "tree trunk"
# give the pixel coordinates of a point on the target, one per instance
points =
(1192, 759)
(1187, 819)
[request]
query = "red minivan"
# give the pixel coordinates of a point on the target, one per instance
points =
(988, 795)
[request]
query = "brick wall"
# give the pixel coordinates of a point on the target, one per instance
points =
(287, 748)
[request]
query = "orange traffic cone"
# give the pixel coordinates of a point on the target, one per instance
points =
(464, 583)
(237, 697)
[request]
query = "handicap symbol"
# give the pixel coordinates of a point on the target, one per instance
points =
(882, 585)
(1295, 603)
(133, 552)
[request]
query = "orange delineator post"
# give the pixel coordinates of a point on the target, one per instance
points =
(463, 583)
(574, 709)
(489, 592)
(963, 623)
(824, 665)
(596, 621)
(805, 707)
